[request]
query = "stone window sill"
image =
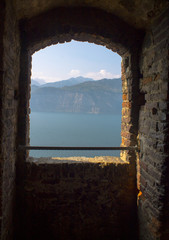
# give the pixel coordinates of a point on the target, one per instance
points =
(104, 160)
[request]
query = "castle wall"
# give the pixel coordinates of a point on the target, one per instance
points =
(145, 75)
(79, 199)
(9, 72)
(153, 132)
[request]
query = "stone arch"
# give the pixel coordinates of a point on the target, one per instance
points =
(83, 24)
(61, 24)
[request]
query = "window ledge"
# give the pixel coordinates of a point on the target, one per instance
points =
(105, 160)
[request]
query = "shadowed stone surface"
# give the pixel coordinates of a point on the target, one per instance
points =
(79, 198)
(30, 193)
(135, 12)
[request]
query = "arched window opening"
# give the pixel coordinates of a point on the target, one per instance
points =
(76, 99)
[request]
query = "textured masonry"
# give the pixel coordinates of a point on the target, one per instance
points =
(9, 79)
(139, 32)
(153, 131)
(84, 198)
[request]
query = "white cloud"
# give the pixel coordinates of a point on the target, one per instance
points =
(74, 73)
(101, 74)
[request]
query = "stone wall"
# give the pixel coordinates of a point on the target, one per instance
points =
(83, 198)
(9, 71)
(153, 132)
(2, 14)
(131, 103)
(146, 99)
(81, 23)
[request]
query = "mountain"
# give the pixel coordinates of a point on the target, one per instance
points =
(103, 96)
(68, 82)
(34, 82)
(105, 84)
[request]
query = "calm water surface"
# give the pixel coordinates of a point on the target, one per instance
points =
(73, 129)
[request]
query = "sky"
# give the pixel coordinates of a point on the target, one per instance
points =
(63, 61)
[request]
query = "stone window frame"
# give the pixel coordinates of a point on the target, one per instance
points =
(44, 30)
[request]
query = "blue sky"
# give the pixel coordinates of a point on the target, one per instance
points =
(73, 59)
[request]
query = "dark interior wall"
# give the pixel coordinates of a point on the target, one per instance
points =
(108, 30)
(153, 131)
(2, 14)
(9, 72)
(87, 24)
(79, 200)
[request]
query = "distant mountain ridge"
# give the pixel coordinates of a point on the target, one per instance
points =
(34, 82)
(102, 96)
(63, 83)
(37, 81)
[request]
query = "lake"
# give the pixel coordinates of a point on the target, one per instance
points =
(74, 129)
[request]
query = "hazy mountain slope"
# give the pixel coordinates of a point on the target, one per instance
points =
(37, 81)
(33, 88)
(103, 96)
(113, 85)
(68, 82)
(34, 82)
